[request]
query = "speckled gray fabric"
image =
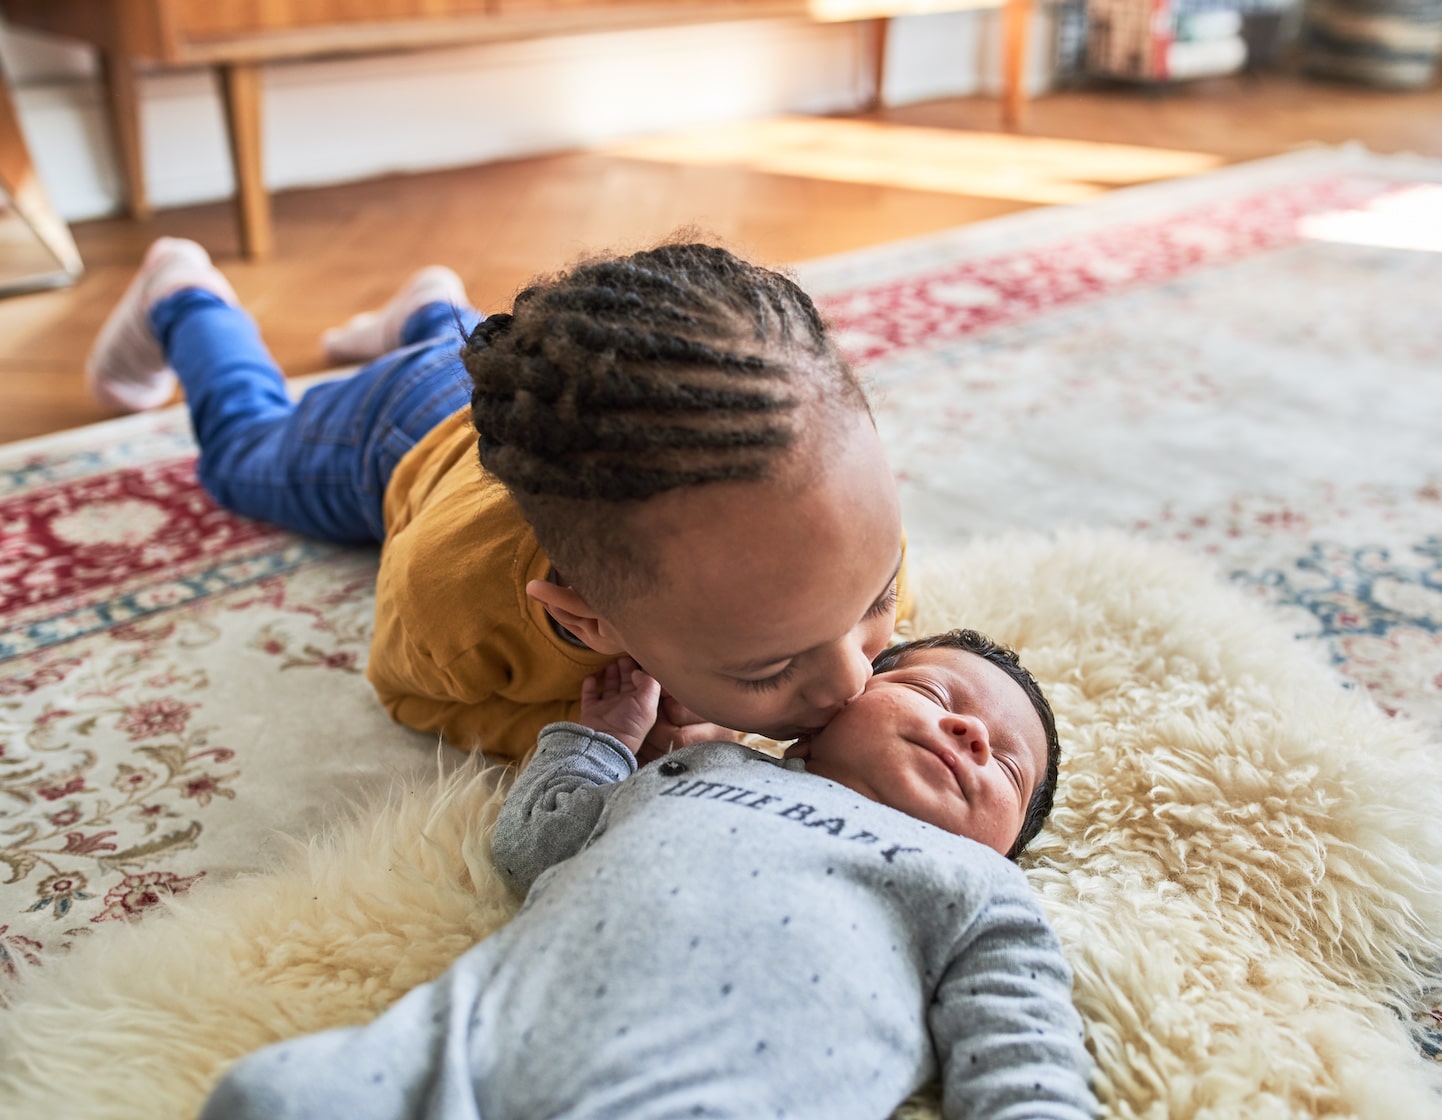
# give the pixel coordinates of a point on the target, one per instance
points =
(719, 935)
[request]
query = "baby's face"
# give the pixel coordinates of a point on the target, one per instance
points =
(946, 737)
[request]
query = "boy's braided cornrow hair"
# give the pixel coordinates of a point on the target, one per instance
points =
(630, 376)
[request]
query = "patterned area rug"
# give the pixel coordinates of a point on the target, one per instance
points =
(1247, 362)
(179, 688)
(1245, 365)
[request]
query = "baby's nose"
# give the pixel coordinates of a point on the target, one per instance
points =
(971, 736)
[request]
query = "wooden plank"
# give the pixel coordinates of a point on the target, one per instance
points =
(240, 89)
(134, 26)
(117, 72)
(376, 36)
(875, 62)
(207, 19)
(1016, 30)
(267, 39)
(202, 32)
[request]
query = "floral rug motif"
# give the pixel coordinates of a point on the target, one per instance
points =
(1248, 363)
(179, 687)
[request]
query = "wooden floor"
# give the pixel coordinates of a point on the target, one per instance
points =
(779, 191)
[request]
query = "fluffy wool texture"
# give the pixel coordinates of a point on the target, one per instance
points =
(1244, 865)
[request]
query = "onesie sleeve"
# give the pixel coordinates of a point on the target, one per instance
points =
(556, 802)
(1007, 1035)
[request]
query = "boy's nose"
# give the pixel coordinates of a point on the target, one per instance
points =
(841, 680)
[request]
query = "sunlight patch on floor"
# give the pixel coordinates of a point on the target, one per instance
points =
(1408, 218)
(980, 164)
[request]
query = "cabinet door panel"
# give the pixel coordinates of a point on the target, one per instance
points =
(205, 19)
(673, 8)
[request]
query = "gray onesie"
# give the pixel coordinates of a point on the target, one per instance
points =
(721, 935)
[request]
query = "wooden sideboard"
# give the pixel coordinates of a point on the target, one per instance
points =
(238, 37)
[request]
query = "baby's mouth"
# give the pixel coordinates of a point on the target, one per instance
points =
(948, 759)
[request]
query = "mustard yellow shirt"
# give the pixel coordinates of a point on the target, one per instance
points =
(459, 649)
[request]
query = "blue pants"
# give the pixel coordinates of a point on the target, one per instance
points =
(320, 466)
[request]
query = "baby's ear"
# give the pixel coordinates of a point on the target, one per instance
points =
(571, 610)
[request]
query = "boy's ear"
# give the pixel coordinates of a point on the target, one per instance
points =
(567, 607)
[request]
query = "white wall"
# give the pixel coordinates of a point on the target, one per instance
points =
(340, 120)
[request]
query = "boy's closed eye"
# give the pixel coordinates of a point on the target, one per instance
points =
(786, 667)
(769, 684)
(885, 603)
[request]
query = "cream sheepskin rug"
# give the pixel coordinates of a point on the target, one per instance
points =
(1245, 866)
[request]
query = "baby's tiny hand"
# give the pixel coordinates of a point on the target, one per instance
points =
(678, 727)
(621, 700)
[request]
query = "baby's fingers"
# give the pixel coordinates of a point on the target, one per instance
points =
(646, 687)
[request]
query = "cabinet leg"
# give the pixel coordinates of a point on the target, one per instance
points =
(123, 101)
(1016, 30)
(876, 33)
(240, 89)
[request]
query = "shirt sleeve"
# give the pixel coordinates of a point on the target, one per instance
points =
(555, 804)
(1009, 1039)
(495, 724)
(459, 648)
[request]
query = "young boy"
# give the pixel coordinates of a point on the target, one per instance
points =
(675, 463)
(720, 933)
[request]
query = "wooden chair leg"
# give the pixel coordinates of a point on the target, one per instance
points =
(27, 195)
(1016, 30)
(123, 101)
(877, 31)
(240, 89)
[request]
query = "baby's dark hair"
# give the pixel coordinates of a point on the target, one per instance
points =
(629, 376)
(1006, 659)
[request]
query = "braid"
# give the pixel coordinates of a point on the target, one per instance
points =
(631, 376)
(635, 375)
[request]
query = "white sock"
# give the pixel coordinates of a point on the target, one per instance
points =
(126, 369)
(373, 333)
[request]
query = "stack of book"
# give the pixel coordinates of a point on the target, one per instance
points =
(1162, 40)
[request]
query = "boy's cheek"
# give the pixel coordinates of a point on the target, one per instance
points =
(676, 713)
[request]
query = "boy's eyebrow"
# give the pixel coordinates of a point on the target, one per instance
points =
(762, 662)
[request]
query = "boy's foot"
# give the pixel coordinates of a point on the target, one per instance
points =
(373, 333)
(126, 368)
